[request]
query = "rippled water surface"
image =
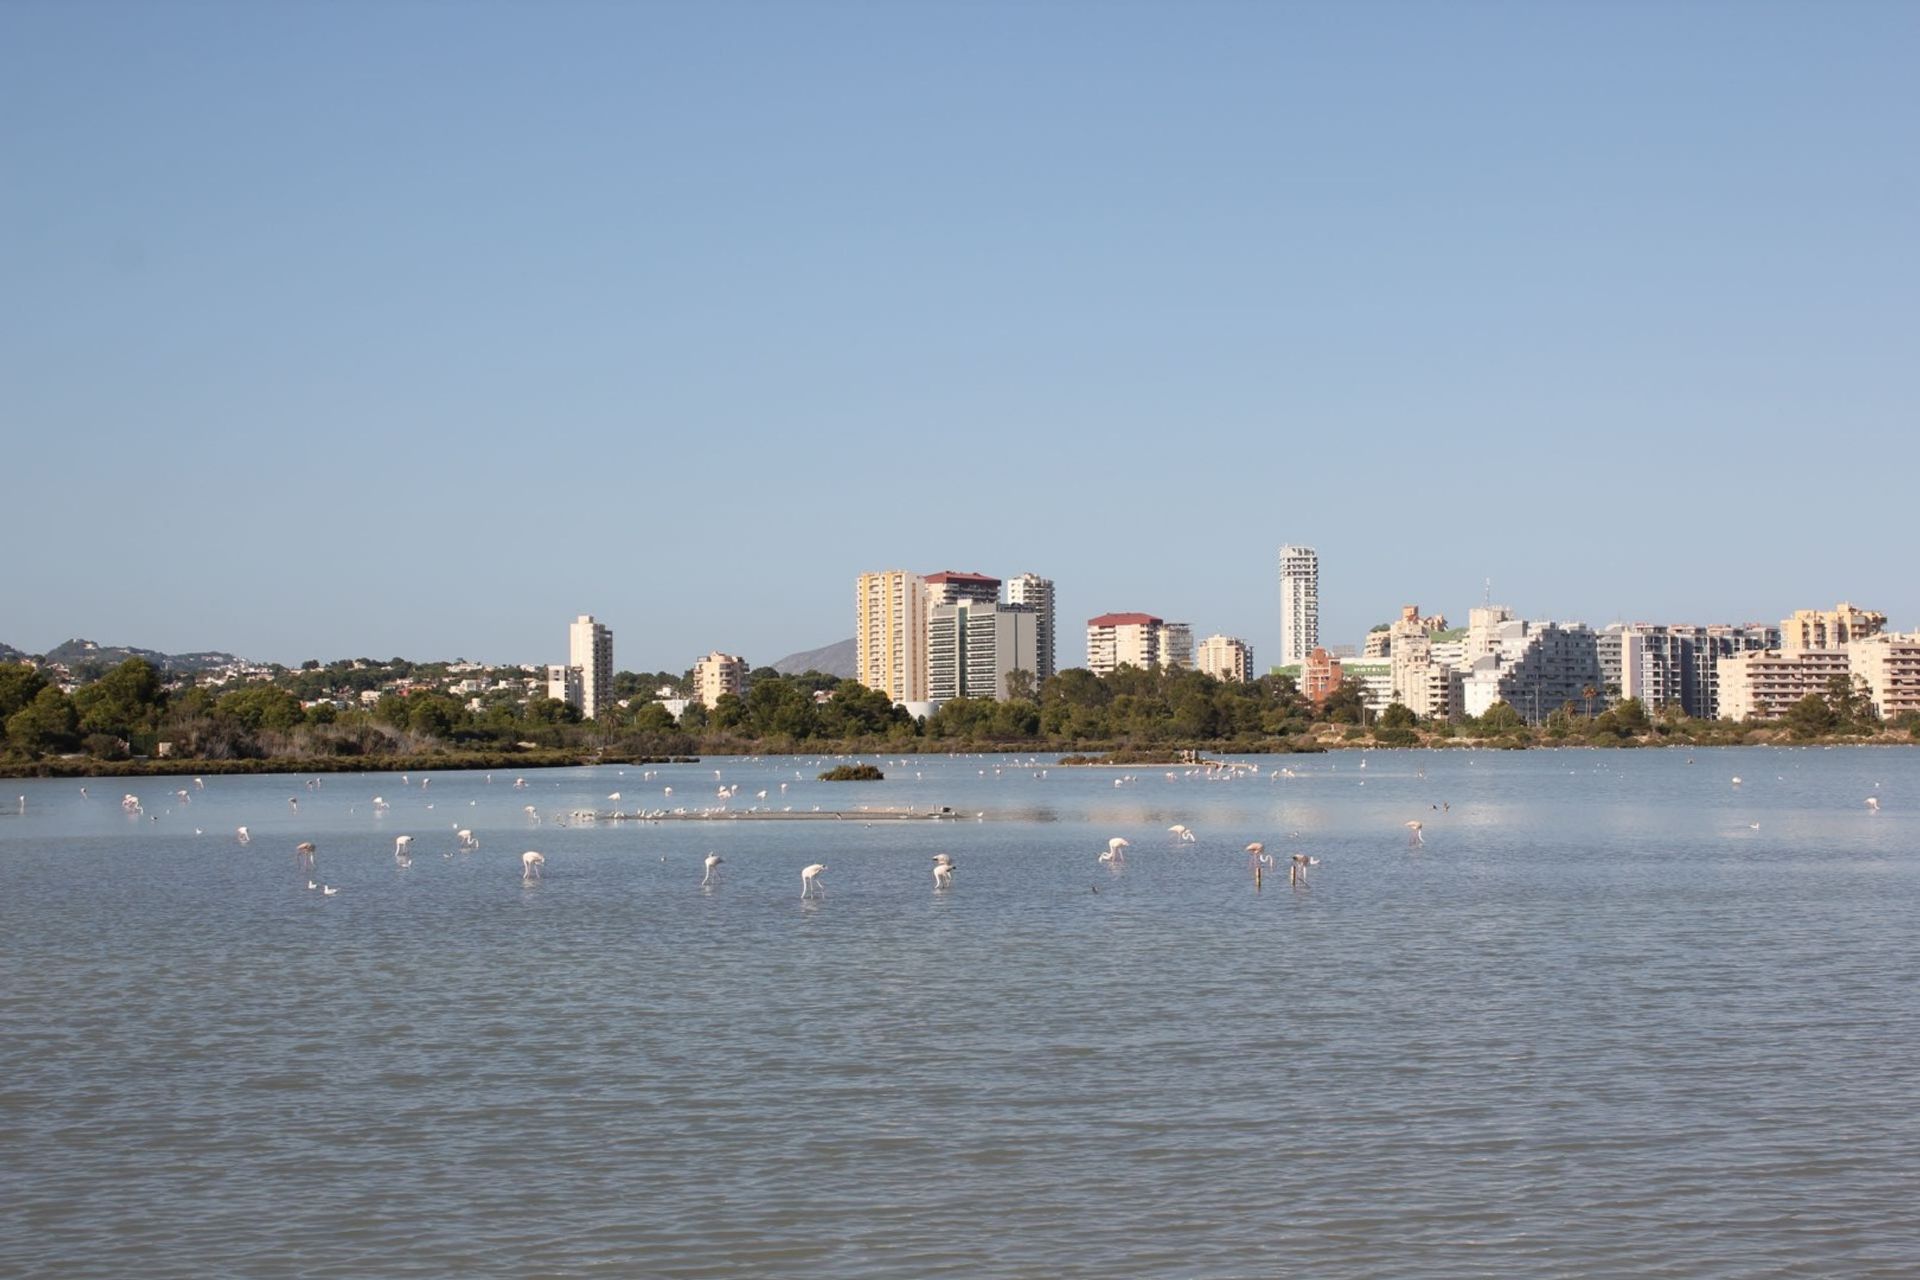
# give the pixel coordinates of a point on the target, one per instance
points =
(1615, 1016)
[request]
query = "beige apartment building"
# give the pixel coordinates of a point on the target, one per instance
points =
(1889, 667)
(1834, 628)
(1761, 684)
(1225, 658)
(890, 634)
(716, 674)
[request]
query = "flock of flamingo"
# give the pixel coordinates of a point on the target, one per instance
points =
(533, 862)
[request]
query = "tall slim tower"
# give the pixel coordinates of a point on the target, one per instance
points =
(1299, 603)
(890, 634)
(590, 648)
(1036, 593)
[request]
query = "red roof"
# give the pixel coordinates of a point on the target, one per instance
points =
(1124, 620)
(948, 575)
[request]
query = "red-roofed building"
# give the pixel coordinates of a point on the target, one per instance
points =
(949, 587)
(1116, 638)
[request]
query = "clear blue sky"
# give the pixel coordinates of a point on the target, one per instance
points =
(387, 328)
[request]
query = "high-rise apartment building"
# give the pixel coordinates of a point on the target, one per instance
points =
(972, 647)
(716, 674)
(890, 634)
(590, 653)
(1036, 593)
(1116, 639)
(1226, 658)
(1299, 603)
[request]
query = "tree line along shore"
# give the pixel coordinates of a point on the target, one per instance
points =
(130, 720)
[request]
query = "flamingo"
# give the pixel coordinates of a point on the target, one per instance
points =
(942, 871)
(1260, 857)
(1182, 833)
(466, 839)
(713, 861)
(303, 855)
(810, 878)
(292, 803)
(613, 795)
(1297, 869)
(241, 835)
(1113, 856)
(530, 864)
(402, 846)
(1413, 833)
(1873, 804)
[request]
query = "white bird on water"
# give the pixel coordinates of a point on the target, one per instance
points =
(713, 860)
(328, 890)
(466, 839)
(241, 835)
(1873, 804)
(293, 804)
(1182, 833)
(810, 878)
(942, 871)
(613, 795)
(1114, 857)
(530, 864)
(1413, 832)
(402, 846)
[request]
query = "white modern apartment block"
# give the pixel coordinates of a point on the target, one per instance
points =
(1536, 668)
(1036, 593)
(590, 655)
(716, 674)
(972, 647)
(1116, 639)
(1225, 658)
(1299, 603)
(890, 634)
(1176, 645)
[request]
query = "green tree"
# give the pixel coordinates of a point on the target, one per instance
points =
(728, 713)
(1346, 704)
(20, 684)
(48, 723)
(1811, 717)
(651, 717)
(122, 702)
(1397, 716)
(260, 706)
(435, 714)
(1501, 718)
(1020, 686)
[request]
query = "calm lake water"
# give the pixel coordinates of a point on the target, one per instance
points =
(1616, 1016)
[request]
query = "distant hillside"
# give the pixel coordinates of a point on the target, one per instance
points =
(835, 660)
(75, 653)
(10, 654)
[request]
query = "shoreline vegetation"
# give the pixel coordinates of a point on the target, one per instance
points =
(127, 722)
